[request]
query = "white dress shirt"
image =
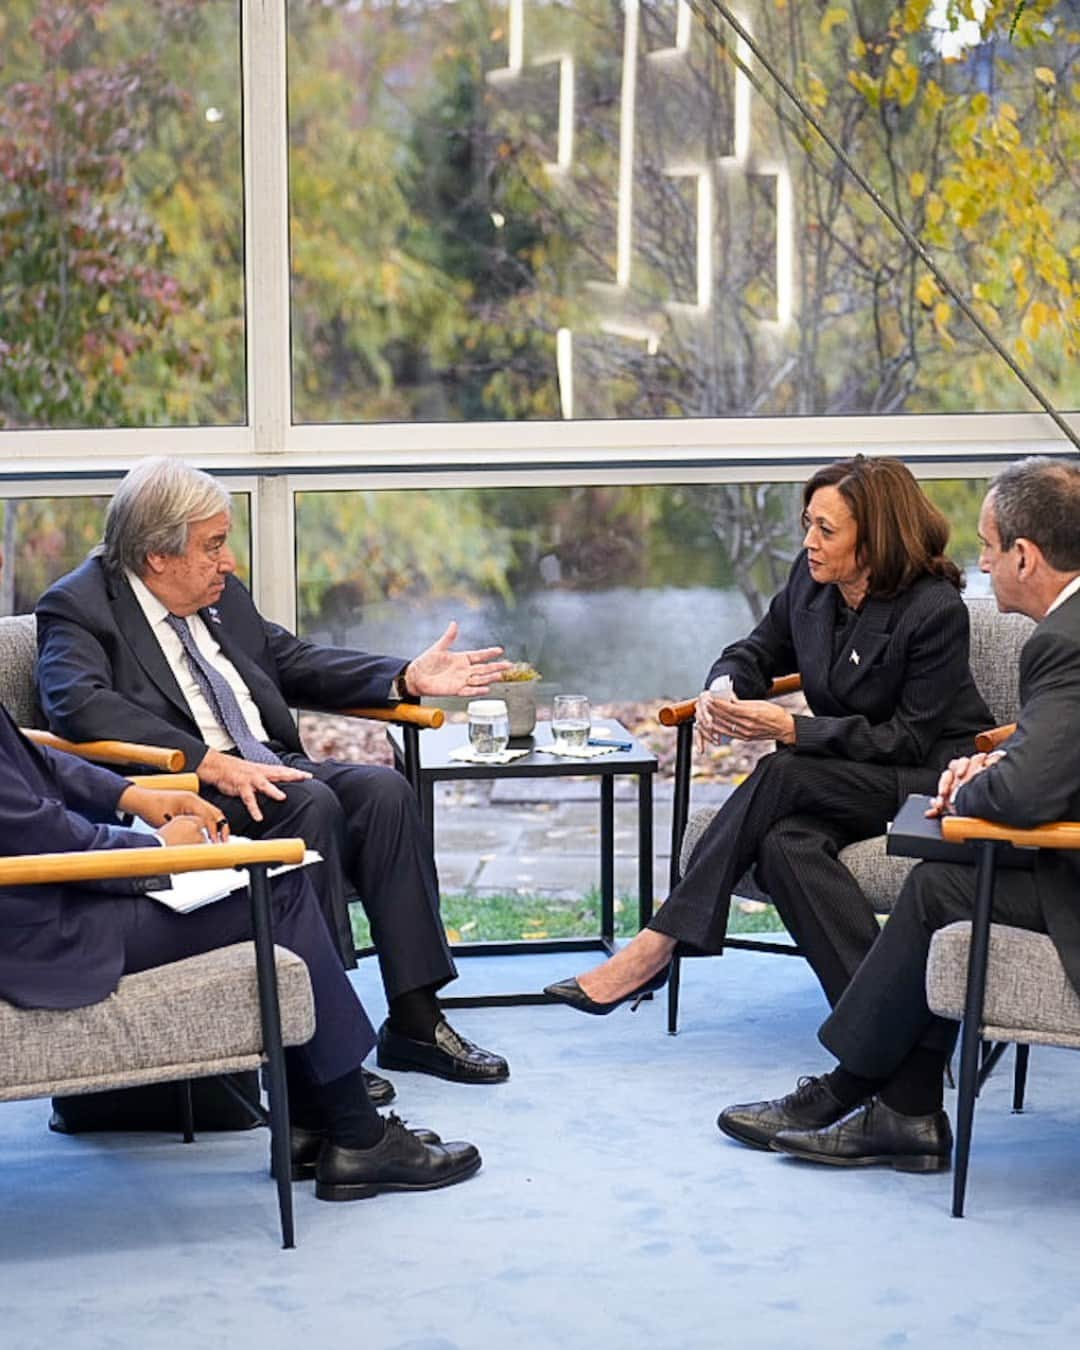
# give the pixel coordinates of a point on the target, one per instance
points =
(210, 729)
(1066, 593)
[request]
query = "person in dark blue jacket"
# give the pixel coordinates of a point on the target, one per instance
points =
(873, 620)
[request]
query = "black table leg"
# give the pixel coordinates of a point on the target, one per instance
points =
(645, 849)
(607, 858)
(427, 808)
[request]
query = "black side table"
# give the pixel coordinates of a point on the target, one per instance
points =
(436, 767)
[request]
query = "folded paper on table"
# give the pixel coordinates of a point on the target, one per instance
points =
(576, 752)
(465, 754)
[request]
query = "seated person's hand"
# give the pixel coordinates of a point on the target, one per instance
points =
(183, 830)
(441, 671)
(241, 778)
(157, 807)
(959, 772)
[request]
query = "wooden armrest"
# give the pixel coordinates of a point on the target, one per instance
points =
(402, 713)
(171, 782)
(1060, 834)
(674, 714)
(990, 740)
(111, 752)
(109, 863)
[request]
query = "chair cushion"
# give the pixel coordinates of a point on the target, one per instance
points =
(996, 640)
(1028, 995)
(187, 1019)
(18, 669)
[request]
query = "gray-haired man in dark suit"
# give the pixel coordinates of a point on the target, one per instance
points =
(154, 639)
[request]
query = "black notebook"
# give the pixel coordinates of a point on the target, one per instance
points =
(912, 835)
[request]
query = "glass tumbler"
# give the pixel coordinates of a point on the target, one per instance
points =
(570, 720)
(489, 727)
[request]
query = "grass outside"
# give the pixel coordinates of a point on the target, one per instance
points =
(513, 917)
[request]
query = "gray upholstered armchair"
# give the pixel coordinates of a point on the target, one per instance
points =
(996, 640)
(223, 1012)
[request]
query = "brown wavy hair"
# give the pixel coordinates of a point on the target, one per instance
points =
(901, 535)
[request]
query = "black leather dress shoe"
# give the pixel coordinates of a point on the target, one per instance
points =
(874, 1134)
(449, 1055)
(398, 1162)
(305, 1145)
(810, 1107)
(572, 994)
(381, 1091)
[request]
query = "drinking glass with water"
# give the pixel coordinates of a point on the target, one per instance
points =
(489, 727)
(570, 720)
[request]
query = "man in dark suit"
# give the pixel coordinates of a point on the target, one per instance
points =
(154, 639)
(883, 1103)
(67, 947)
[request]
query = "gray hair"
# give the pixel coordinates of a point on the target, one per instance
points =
(152, 509)
(1039, 499)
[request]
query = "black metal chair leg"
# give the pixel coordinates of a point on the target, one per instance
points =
(973, 1008)
(673, 995)
(270, 1012)
(1020, 1071)
(187, 1111)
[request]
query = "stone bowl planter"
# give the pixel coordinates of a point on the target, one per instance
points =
(520, 699)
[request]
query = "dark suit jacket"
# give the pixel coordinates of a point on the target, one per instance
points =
(1038, 781)
(102, 673)
(59, 945)
(898, 692)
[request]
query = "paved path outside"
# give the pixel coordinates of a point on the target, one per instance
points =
(542, 835)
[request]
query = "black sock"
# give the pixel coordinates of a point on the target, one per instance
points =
(351, 1120)
(416, 1013)
(305, 1108)
(917, 1088)
(848, 1088)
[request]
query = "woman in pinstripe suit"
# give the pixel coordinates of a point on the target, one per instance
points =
(872, 618)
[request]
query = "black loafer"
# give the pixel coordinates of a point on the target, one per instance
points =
(398, 1162)
(449, 1055)
(810, 1107)
(305, 1145)
(381, 1091)
(875, 1135)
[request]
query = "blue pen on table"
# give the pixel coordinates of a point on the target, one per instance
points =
(619, 745)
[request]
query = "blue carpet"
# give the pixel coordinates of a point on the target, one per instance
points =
(609, 1212)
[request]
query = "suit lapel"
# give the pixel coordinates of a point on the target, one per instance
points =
(263, 690)
(131, 621)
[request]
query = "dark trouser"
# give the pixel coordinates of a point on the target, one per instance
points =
(154, 935)
(365, 821)
(791, 818)
(883, 1015)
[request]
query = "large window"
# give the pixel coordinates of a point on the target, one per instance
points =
(46, 537)
(626, 593)
(121, 214)
(536, 209)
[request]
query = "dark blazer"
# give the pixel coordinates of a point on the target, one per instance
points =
(1038, 781)
(102, 673)
(59, 945)
(899, 691)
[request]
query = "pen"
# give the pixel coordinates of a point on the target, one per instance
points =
(619, 745)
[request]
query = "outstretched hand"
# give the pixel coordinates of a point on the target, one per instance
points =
(459, 674)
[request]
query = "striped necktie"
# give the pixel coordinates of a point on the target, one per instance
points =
(218, 693)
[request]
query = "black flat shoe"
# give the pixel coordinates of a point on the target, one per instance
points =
(449, 1056)
(873, 1135)
(572, 994)
(305, 1145)
(398, 1162)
